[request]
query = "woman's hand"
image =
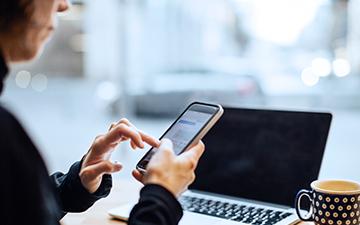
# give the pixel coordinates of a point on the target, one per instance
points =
(175, 173)
(97, 162)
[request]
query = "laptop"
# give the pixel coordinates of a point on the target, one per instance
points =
(254, 164)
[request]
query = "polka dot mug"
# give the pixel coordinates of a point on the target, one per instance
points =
(333, 202)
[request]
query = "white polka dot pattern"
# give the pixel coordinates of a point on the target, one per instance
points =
(336, 209)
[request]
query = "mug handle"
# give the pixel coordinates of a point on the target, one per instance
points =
(299, 196)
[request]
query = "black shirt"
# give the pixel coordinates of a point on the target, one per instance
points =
(30, 196)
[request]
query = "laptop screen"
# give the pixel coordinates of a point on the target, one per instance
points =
(263, 155)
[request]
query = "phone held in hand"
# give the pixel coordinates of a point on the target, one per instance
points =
(188, 129)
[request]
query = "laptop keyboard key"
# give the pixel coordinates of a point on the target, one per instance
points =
(235, 212)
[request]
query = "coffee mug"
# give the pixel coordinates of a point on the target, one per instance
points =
(333, 202)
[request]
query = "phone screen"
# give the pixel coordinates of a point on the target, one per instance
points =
(185, 129)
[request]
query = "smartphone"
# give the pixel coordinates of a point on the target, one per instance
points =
(188, 129)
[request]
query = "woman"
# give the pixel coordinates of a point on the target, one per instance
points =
(29, 196)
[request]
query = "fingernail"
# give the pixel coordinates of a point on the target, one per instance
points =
(118, 166)
(117, 169)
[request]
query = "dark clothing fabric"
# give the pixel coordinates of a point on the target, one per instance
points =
(3, 72)
(28, 196)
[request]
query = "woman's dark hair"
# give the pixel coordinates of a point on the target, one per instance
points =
(13, 12)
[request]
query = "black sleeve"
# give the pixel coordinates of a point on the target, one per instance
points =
(156, 206)
(73, 196)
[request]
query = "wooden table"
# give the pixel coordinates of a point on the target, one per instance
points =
(122, 192)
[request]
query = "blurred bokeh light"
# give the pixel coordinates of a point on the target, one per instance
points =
(146, 60)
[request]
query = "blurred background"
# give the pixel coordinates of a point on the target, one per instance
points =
(147, 59)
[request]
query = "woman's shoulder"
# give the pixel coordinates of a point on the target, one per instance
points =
(7, 119)
(5, 115)
(11, 132)
(24, 178)
(16, 144)
(10, 126)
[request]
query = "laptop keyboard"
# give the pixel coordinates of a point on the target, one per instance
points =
(237, 212)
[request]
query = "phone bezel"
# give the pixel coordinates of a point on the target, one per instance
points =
(217, 114)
